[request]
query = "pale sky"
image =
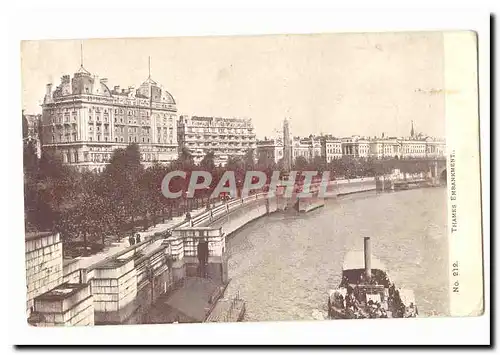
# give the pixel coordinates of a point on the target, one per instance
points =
(343, 84)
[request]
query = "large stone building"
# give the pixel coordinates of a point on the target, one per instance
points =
(308, 148)
(435, 147)
(84, 120)
(331, 148)
(385, 148)
(407, 147)
(225, 137)
(422, 147)
(356, 147)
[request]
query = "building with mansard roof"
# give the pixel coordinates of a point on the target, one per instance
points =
(225, 137)
(84, 119)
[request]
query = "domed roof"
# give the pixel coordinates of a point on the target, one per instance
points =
(167, 97)
(151, 87)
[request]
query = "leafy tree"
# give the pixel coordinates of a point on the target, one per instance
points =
(264, 162)
(151, 192)
(208, 161)
(233, 163)
(300, 163)
(30, 159)
(121, 187)
(49, 187)
(25, 125)
(237, 165)
(249, 160)
(185, 161)
(318, 164)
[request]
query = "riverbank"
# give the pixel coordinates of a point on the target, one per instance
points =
(408, 230)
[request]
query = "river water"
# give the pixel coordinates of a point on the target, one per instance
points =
(283, 264)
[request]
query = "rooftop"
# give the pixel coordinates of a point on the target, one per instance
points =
(84, 82)
(61, 292)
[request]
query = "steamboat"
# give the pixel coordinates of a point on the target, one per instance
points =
(366, 290)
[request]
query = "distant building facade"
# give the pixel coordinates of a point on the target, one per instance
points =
(331, 148)
(422, 147)
(84, 120)
(356, 147)
(225, 137)
(385, 148)
(308, 148)
(270, 150)
(31, 133)
(436, 147)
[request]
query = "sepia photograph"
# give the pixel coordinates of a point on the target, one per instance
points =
(304, 177)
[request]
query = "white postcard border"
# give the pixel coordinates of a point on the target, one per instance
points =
(31, 25)
(463, 173)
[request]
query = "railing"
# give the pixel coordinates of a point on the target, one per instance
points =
(217, 212)
(196, 220)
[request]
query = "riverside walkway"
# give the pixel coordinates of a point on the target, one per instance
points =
(84, 262)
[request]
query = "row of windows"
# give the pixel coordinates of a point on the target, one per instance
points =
(97, 110)
(72, 157)
(64, 138)
(144, 112)
(303, 153)
(413, 150)
(131, 130)
(218, 123)
(218, 130)
(131, 139)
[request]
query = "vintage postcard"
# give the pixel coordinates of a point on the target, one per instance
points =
(251, 178)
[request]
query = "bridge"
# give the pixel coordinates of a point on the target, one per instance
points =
(435, 167)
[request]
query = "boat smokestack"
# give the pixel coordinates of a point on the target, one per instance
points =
(368, 259)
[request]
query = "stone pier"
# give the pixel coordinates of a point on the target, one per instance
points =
(67, 304)
(50, 299)
(114, 287)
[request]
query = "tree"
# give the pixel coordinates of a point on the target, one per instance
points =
(300, 163)
(249, 160)
(185, 161)
(25, 125)
(318, 164)
(50, 187)
(89, 221)
(263, 161)
(121, 187)
(266, 165)
(151, 181)
(208, 161)
(30, 159)
(234, 163)
(237, 165)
